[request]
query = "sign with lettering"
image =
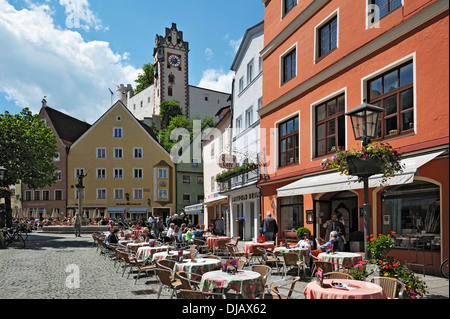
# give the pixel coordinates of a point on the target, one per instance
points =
(239, 198)
(227, 161)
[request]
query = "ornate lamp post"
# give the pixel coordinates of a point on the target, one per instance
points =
(365, 119)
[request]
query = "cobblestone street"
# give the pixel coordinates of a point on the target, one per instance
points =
(43, 270)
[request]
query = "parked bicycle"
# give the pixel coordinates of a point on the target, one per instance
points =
(13, 236)
(444, 268)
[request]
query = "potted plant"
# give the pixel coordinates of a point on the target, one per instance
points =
(375, 158)
(303, 230)
(356, 239)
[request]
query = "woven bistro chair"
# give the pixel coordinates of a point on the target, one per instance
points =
(187, 283)
(291, 261)
(391, 286)
(220, 247)
(326, 266)
(201, 245)
(166, 281)
(285, 290)
(337, 275)
(143, 268)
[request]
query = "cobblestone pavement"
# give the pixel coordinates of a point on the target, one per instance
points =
(46, 267)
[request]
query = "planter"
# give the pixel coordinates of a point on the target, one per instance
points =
(363, 167)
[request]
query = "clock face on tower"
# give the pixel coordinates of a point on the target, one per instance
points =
(174, 60)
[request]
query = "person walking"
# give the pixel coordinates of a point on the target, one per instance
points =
(76, 221)
(269, 227)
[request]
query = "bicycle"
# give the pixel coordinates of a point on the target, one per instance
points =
(13, 235)
(444, 268)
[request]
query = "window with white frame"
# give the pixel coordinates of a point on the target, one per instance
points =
(186, 179)
(249, 72)
(28, 195)
(162, 173)
(378, 9)
(137, 152)
(138, 173)
(57, 157)
(101, 193)
(118, 193)
(238, 124)
(118, 152)
(289, 65)
(288, 5)
(212, 149)
(241, 84)
(59, 175)
(78, 172)
(101, 152)
(101, 173)
(138, 193)
(248, 117)
(117, 132)
(45, 195)
(118, 173)
(327, 36)
(58, 194)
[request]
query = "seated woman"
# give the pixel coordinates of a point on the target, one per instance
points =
(304, 242)
(323, 248)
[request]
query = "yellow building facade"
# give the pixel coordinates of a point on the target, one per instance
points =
(127, 172)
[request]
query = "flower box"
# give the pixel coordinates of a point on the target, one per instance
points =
(363, 167)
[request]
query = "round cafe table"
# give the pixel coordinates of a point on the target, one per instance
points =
(248, 283)
(366, 290)
(195, 269)
(341, 260)
(169, 255)
(146, 252)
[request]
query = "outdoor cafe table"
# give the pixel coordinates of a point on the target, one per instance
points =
(248, 248)
(301, 252)
(146, 252)
(341, 260)
(248, 284)
(170, 255)
(366, 290)
(212, 240)
(195, 269)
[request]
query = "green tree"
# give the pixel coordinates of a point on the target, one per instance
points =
(145, 79)
(27, 150)
(168, 110)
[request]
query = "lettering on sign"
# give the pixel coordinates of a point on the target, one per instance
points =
(245, 197)
(227, 161)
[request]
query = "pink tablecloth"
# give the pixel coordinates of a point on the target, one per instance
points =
(211, 241)
(367, 290)
(248, 248)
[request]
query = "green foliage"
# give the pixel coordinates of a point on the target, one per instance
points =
(382, 152)
(169, 110)
(238, 170)
(27, 150)
(144, 80)
(303, 230)
(385, 266)
(380, 246)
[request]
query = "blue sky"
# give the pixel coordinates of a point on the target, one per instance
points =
(72, 51)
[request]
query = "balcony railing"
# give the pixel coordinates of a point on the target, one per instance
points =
(239, 179)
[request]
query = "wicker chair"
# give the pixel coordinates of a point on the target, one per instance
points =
(390, 286)
(143, 268)
(234, 252)
(187, 283)
(291, 260)
(270, 258)
(326, 266)
(212, 257)
(337, 275)
(166, 281)
(287, 288)
(256, 254)
(201, 245)
(166, 264)
(221, 246)
(263, 270)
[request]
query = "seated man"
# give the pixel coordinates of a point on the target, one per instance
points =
(323, 248)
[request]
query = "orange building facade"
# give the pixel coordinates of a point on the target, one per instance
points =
(322, 59)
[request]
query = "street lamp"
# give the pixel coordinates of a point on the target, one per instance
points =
(365, 119)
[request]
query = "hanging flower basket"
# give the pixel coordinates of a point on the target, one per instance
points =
(375, 158)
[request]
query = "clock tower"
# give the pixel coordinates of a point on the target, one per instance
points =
(171, 70)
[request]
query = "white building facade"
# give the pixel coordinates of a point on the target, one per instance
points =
(241, 188)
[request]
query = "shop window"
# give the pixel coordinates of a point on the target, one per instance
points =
(291, 214)
(411, 209)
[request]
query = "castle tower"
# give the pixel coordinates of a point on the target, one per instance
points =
(122, 93)
(171, 69)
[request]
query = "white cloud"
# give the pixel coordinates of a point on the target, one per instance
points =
(209, 53)
(80, 16)
(38, 59)
(235, 44)
(217, 80)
